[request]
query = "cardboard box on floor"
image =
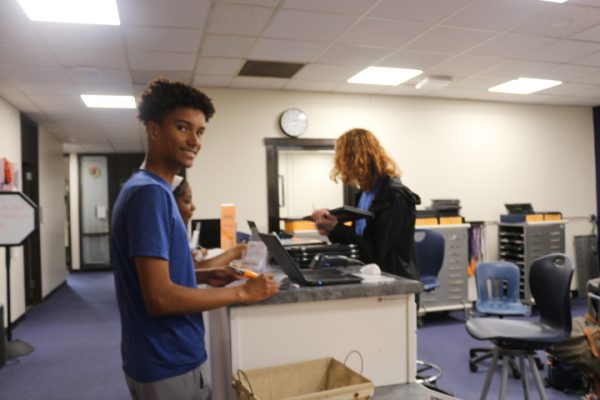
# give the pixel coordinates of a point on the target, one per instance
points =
(324, 378)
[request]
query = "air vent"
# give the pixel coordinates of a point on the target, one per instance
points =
(270, 69)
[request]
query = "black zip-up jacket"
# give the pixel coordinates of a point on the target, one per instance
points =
(389, 238)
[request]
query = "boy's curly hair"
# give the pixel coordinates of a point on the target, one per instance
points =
(360, 160)
(161, 96)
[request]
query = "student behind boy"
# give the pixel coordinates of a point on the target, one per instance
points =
(160, 305)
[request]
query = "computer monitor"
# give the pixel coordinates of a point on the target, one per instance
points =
(210, 232)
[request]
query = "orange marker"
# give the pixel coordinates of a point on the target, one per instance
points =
(248, 273)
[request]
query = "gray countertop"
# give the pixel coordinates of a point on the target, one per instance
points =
(298, 294)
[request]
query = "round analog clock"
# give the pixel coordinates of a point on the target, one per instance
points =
(293, 122)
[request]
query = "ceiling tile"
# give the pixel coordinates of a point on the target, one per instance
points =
(103, 59)
(308, 85)
(515, 69)
(219, 66)
(592, 34)
(360, 88)
(156, 61)
(423, 10)
(143, 77)
(19, 33)
(302, 25)
(163, 39)
(232, 19)
(564, 50)
(497, 15)
(413, 59)
(561, 21)
(27, 55)
(590, 59)
(43, 88)
(255, 82)
(593, 78)
(164, 13)
(97, 148)
(212, 81)
(565, 72)
(479, 82)
(353, 55)
(12, 10)
(20, 101)
(325, 72)
(465, 65)
(90, 79)
(226, 46)
(58, 103)
(454, 40)
(511, 45)
(286, 50)
(265, 3)
(383, 33)
(24, 73)
(567, 89)
(331, 6)
(99, 37)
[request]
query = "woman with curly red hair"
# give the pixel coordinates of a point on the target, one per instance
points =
(388, 238)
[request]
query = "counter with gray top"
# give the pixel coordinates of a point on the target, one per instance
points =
(371, 326)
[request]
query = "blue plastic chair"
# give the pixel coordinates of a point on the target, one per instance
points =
(430, 254)
(550, 282)
(497, 295)
(430, 246)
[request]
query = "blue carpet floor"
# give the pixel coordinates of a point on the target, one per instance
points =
(76, 335)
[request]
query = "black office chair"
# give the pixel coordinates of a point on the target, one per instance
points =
(550, 282)
(497, 295)
(430, 246)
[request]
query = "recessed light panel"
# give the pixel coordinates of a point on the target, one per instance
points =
(384, 76)
(556, 1)
(98, 12)
(524, 86)
(104, 101)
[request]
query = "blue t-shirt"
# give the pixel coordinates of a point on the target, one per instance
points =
(364, 203)
(146, 222)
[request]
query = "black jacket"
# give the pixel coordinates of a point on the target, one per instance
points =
(388, 239)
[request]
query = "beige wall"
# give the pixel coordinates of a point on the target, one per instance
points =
(52, 205)
(483, 153)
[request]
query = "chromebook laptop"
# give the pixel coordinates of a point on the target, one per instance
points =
(317, 277)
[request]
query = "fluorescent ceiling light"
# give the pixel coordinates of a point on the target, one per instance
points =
(384, 76)
(524, 86)
(556, 1)
(99, 12)
(103, 101)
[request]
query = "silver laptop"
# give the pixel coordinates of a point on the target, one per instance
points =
(317, 277)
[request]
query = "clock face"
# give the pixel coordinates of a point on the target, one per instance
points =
(293, 122)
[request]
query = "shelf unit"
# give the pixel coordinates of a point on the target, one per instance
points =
(452, 294)
(521, 243)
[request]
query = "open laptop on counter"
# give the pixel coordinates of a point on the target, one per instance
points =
(317, 277)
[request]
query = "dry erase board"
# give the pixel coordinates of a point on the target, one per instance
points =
(18, 218)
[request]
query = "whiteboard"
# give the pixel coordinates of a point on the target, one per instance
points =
(18, 218)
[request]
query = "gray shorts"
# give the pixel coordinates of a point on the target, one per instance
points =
(189, 386)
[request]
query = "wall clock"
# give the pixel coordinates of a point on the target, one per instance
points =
(293, 122)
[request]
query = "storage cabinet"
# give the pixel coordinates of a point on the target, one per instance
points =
(521, 243)
(452, 294)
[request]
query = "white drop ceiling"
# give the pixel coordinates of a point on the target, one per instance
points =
(44, 67)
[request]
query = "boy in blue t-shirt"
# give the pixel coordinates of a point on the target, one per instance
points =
(159, 302)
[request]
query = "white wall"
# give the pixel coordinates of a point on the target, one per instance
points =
(52, 205)
(10, 126)
(483, 153)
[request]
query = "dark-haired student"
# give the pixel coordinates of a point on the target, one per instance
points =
(159, 302)
(388, 238)
(186, 206)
